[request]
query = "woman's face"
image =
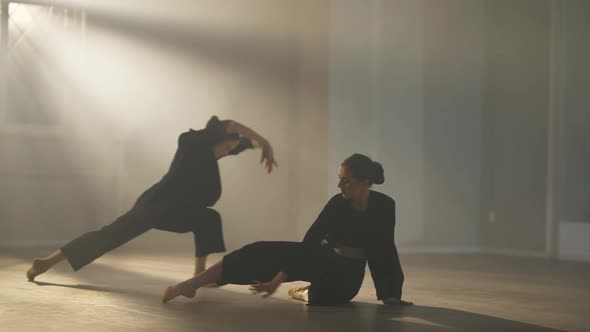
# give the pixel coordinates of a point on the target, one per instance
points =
(349, 186)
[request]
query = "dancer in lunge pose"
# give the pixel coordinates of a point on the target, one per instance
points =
(180, 202)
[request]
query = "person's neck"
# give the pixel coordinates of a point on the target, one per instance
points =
(361, 203)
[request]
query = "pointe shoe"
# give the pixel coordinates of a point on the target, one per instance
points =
(35, 270)
(299, 293)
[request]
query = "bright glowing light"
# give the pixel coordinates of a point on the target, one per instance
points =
(21, 14)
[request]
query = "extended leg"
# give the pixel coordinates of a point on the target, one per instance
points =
(88, 247)
(259, 261)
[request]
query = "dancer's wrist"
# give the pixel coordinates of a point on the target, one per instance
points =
(280, 278)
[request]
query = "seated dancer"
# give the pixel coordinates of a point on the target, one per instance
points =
(180, 202)
(355, 227)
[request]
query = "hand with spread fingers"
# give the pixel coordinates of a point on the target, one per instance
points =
(267, 156)
(266, 288)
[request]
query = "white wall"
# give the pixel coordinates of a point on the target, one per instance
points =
(402, 81)
(574, 228)
(376, 98)
(453, 104)
(575, 113)
(406, 90)
(419, 86)
(150, 70)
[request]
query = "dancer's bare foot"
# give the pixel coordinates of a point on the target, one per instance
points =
(173, 291)
(39, 266)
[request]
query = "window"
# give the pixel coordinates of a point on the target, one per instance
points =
(34, 87)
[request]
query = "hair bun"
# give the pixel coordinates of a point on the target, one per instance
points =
(362, 167)
(213, 122)
(377, 176)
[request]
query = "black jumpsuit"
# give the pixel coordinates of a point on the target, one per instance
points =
(179, 202)
(335, 279)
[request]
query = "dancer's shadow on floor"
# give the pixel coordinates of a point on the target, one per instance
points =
(104, 279)
(377, 317)
(81, 286)
(229, 312)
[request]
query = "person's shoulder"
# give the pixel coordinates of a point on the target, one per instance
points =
(190, 136)
(336, 200)
(192, 133)
(381, 198)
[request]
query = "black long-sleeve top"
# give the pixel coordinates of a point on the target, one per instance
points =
(372, 230)
(193, 179)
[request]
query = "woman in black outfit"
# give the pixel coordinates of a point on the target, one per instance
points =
(180, 202)
(355, 227)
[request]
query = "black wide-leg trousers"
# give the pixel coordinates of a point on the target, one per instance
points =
(334, 279)
(205, 223)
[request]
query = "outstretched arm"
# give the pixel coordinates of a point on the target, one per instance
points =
(258, 141)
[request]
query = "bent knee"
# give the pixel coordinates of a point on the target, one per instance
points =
(258, 246)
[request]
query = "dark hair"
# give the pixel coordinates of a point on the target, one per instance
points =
(219, 126)
(362, 167)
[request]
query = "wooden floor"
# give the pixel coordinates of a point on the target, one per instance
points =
(121, 292)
